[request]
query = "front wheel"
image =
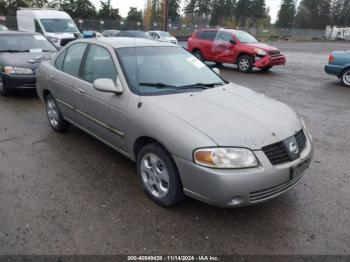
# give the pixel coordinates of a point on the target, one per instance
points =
(245, 64)
(54, 115)
(345, 78)
(159, 176)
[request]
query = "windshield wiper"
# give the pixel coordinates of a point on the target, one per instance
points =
(201, 85)
(157, 85)
(14, 51)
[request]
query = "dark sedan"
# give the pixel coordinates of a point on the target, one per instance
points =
(20, 55)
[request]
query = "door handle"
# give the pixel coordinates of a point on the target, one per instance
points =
(81, 91)
(51, 77)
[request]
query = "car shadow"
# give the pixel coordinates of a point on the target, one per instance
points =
(23, 94)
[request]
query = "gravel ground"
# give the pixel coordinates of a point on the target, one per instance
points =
(70, 194)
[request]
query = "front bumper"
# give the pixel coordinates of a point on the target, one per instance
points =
(241, 187)
(270, 60)
(18, 81)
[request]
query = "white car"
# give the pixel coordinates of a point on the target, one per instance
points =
(163, 36)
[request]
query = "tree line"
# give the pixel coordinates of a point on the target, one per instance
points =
(315, 14)
(230, 13)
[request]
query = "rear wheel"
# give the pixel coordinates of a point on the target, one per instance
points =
(4, 90)
(345, 78)
(159, 176)
(245, 63)
(54, 115)
(198, 54)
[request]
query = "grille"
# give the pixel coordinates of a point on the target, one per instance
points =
(261, 195)
(277, 153)
(274, 52)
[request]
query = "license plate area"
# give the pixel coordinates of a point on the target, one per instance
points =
(299, 169)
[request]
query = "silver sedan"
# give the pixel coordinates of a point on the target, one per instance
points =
(190, 132)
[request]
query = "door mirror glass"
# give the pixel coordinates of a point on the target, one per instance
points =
(107, 85)
(216, 70)
(232, 41)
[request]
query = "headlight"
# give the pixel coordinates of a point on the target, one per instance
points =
(17, 70)
(54, 39)
(260, 52)
(225, 157)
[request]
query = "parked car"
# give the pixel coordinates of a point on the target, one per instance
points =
(56, 25)
(3, 28)
(189, 131)
(339, 66)
(20, 55)
(234, 47)
(92, 34)
(110, 33)
(163, 36)
(136, 34)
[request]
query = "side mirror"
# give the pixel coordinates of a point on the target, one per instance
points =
(216, 71)
(232, 41)
(107, 85)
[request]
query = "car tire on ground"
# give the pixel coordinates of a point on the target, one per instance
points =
(198, 54)
(4, 90)
(345, 77)
(159, 176)
(245, 63)
(54, 115)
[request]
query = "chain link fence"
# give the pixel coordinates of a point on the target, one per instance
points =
(183, 31)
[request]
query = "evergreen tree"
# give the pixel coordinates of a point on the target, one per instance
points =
(286, 14)
(107, 12)
(174, 7)
(314, 14)
(134, 15)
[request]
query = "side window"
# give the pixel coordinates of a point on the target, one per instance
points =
(59, 60)
(99, 64)
(223, 36)
(37, 27)
(200, 34)
(210, 35)
(73, 59)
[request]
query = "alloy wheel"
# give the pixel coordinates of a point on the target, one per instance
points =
(244, 64)
(52, 112)
(346, 78)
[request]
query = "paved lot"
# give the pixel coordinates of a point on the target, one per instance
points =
(69, 194)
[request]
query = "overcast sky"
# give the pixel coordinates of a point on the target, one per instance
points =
(124, 6)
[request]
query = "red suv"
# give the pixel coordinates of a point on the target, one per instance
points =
(234, 47)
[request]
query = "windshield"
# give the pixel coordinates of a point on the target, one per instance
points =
(165, 34)
(162, 70)
(139, 34)
(25, 43)
(59, 25)
(244, 37)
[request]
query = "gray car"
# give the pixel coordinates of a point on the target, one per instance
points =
(190, 132)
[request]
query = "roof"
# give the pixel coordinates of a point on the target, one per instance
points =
(9, 32)
(45, 13)
(120, 42)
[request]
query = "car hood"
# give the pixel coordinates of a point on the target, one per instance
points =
(263, 46)
(232, 115)
(28, 60)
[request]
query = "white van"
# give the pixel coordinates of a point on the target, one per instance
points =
(56, 25)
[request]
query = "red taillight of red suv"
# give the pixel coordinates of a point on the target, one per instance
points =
(331, 59)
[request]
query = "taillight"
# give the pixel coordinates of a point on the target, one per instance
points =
(331, 59)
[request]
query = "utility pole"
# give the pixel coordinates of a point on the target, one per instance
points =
(166, 15)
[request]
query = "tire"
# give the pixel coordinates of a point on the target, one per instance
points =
(198, 54)
(54, 115)
(158, 175)
(266, 69)
(245, 63)
(4, 89)
(345, 78)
